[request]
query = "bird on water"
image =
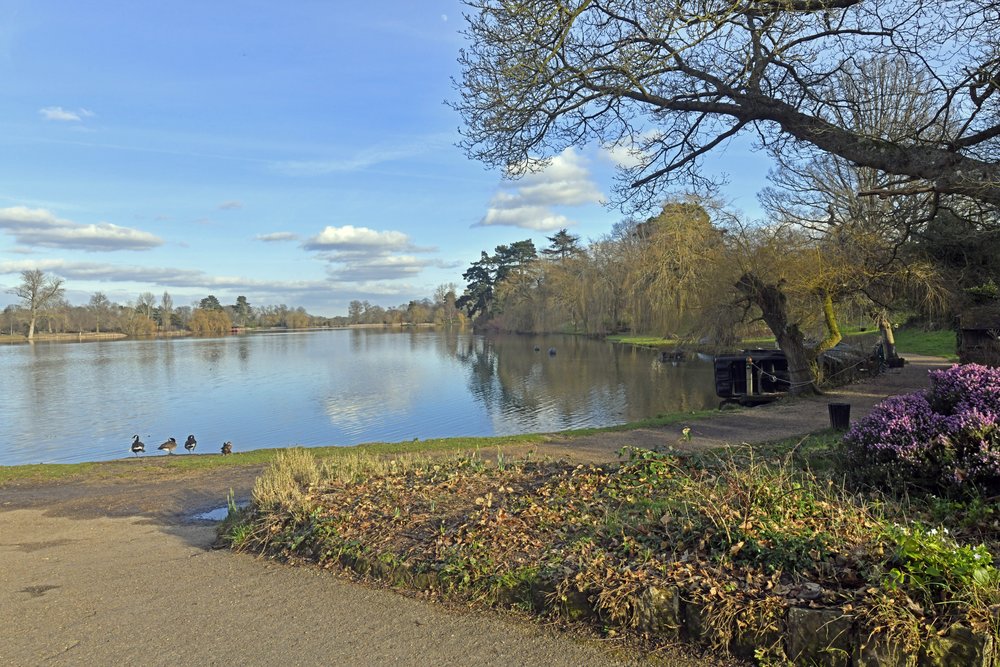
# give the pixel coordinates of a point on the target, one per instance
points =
(169, 446)
(227, 447)
(137, 445)
(190, 443)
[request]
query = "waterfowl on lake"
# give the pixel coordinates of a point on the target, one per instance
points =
(169, 446)
(137, 445)
(227, 447)
(190, 443)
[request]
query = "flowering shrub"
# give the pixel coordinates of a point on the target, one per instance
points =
(946, 438)
(961, 388)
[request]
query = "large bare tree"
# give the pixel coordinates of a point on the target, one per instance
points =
(37, 291)
(874, 238)
(672, 80)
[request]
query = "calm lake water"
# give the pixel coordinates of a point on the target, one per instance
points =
(69, 402)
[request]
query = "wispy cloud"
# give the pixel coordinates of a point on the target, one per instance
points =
(275, 237)
(65, 115)
(231, 205)
(528, 203)
(167, 277)
(623, 156)
(39, 227)
(364, 158)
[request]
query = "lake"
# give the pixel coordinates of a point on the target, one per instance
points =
(71, 402)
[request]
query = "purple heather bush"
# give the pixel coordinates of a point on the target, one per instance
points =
(944, 439)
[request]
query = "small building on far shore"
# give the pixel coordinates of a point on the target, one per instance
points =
(979, 335)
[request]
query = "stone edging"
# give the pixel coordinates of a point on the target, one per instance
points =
(809, 636)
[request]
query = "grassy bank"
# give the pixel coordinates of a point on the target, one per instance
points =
(162, 465)
(179, 464)
(744, 535)
(940, 343)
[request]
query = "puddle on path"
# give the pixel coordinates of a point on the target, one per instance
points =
(218, 514)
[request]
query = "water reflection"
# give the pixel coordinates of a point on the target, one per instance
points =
(84, 401)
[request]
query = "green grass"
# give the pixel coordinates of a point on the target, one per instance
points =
(914, 341)
(644, 341)
(931, 343)
(658, 342)
(165, 465)
(652, 422)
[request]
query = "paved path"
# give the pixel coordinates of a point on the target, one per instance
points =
(115, 591)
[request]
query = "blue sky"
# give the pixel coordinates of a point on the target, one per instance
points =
(298, 153)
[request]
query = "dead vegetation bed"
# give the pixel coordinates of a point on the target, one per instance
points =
(742, 540)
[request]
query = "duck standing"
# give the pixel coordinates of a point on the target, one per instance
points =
(227, 447)
(137, 445)
(190, 443)
(169, 446)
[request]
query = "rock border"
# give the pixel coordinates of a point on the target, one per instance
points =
(826, 637)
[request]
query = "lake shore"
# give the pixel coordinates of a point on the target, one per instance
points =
(60, 338)
(112, 564)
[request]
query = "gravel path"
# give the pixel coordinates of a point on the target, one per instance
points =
(116, 571)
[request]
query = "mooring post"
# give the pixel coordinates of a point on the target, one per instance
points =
(749, 376)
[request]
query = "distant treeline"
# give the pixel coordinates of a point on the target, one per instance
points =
(150, 315)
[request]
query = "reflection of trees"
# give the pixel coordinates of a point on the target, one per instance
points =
(211, 351)
(586, 382)
(244, 352)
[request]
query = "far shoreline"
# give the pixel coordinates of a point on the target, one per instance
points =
(83, 337)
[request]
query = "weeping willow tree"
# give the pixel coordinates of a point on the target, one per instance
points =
(670, 268)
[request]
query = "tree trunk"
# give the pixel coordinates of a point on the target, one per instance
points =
(833, 336)
(888, 340)
(31, 328)
(774, 309)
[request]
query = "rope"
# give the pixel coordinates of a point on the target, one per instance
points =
(774, 378)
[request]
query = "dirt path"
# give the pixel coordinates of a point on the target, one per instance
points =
(117, 572)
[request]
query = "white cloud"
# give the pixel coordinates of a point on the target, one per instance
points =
(538, 218)
(39, 227)
(360, 255)
(387, 267)
(277, 237)
(64, 115)
(528, 202)
(350, 237)
(232, 205)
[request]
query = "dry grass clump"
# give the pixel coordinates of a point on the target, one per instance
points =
(356, 465)
(285, 482)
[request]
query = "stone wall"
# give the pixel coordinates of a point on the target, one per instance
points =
(814, 636)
